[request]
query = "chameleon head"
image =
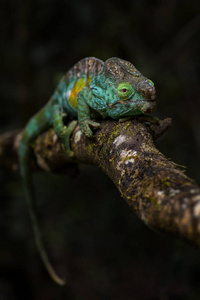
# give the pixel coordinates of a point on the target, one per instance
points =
(127, 91)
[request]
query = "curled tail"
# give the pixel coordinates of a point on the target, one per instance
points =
(37, 124)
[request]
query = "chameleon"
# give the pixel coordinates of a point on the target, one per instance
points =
(91, 89)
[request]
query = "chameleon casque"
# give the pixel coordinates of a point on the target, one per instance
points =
(90, 89)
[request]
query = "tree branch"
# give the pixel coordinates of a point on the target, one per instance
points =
(152, 185)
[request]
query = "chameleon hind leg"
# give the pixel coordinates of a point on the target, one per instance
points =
(38, 124)
(63, 132)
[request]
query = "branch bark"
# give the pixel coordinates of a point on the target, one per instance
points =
(153, 186)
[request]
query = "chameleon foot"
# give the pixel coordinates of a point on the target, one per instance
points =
(85, 127)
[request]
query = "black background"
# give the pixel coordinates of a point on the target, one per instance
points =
(93, 238)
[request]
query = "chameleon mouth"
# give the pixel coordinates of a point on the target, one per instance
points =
(145, 100)
(128, 102)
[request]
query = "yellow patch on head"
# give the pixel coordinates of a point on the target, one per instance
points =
(79, 85)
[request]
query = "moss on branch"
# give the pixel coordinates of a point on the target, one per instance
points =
(152, 185)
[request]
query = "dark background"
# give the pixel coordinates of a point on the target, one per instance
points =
(93, 238)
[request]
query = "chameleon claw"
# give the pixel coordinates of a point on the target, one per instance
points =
(85, 127)
(93, 124)
(87, 131)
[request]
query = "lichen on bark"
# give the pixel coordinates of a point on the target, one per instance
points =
(157, 190)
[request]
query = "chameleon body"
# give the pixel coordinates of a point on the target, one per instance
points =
(90, 89)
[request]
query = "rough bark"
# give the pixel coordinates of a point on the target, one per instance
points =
(152, 185)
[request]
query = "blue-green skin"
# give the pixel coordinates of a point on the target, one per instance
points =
(114, 89)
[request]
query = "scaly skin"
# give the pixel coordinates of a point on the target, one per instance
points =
(90, 89)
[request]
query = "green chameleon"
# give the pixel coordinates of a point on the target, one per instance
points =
(90, 89)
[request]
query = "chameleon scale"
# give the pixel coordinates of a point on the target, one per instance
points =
(91, 88)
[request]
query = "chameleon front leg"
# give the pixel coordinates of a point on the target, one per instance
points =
(37, 124)
(84, 112)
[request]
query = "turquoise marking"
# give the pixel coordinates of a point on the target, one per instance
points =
(32, 127)
(48, 114)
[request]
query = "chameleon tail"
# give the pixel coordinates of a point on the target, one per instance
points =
(35, 126)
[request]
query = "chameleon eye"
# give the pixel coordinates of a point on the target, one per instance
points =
(125, 90)
(151, 81)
